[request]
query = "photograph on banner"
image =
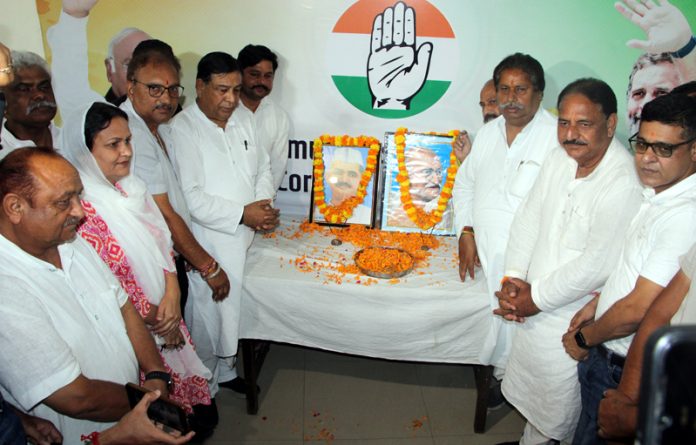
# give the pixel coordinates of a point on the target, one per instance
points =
(427, 163)
(344, 182)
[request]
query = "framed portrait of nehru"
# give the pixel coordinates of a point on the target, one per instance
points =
(426, 163)
(344, 183)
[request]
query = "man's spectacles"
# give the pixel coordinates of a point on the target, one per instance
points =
(660, 149)
(157, 90)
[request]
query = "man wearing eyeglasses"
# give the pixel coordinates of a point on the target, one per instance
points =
(663, 229)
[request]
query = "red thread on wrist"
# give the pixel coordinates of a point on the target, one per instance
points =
(90, 439)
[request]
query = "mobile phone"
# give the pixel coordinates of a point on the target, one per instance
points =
(163, 410)
(667, 410)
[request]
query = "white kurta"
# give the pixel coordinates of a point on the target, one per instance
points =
(565, 240)
(221, 171)
(68, 42)
(686, 314)
(58, 324)
(490, 185)
(272, 129)
(10, 143)
(659, 234)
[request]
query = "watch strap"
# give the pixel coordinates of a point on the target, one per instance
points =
(580, 340)
(159, 375)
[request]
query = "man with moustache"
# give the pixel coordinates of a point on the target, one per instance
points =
(495, 178)
(71, 338)
(343, 175)
(258, 65)
(561, 250)
(228, 186)
(488, 101)
(600, 333)
(30, 105)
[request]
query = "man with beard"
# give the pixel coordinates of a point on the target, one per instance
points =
(561, 249)
(258, 65)
(30, 105)
(228, 187)
(495, 178)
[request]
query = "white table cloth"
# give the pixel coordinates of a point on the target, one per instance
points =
(428, 316)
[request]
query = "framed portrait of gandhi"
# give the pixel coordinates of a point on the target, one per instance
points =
(344, 181)
(415, 184)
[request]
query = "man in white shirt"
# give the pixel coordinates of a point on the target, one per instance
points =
(562, 246)
(153, 96)
(71, 338)
(30, 105)
(228, 187)
(495, 178)
(258, 65)
(600, 333)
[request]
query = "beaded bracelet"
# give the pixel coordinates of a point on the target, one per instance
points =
(6, 70)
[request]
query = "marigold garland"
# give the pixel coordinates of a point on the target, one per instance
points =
(339, 214)
(422, 219)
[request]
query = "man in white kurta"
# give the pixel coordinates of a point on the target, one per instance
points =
(258, 66)
(496, 177)
(67, 323)
(601, 333)
(565, 238)
(227, 183)
(30, 106)
(147, 117)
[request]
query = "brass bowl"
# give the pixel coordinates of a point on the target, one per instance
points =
(387, 274)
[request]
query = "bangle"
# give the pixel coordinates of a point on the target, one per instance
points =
(686, 49)
(214, 274)
(208, 268)
(467, 230)
(6, 70)
(90, 439)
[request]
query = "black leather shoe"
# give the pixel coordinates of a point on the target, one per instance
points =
(238, 385)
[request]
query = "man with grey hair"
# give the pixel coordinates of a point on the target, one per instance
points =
(30, 105)
(68, 42)
(118, 57)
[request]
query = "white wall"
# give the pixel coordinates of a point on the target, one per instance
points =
(19, 25)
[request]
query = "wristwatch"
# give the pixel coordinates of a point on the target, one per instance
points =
(580, 340)
(160, 375)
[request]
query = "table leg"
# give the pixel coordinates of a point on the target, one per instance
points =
(253, 354)
(483, 375)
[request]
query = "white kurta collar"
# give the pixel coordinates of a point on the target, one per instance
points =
(686, 184)
(15, 252)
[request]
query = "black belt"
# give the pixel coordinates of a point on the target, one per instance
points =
(612, 357)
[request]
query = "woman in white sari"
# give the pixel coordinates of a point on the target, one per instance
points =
(124, 225)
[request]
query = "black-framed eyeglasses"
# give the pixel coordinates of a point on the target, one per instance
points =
(157, 90)
(660, 149)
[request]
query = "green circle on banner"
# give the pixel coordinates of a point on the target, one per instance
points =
(392, 59)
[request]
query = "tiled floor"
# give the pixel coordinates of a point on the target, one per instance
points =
(311, 396)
